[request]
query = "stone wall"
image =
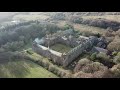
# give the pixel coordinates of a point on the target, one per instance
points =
(80, 45)
(74, 53)
(55, 56)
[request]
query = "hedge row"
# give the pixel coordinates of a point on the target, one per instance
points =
(50, 67)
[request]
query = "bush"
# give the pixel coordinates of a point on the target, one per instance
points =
(104, 59)
(51, 68)
(103, 74)
(68, 26)
(94, 67)
(82, 74)
(114, 45)
(59, 16)
(114, 53)
(76, 20)
(109, 33)
(83, 62)
(103, 56)
(116, 71)
(29, 52)
(93, 56)
(116, 59)
(118, 33)
(87, 34)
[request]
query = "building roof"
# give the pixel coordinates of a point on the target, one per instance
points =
(98, 49)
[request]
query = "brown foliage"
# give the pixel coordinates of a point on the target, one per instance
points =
(115, 44)
(116, 71)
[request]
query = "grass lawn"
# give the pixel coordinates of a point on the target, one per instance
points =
(61, 48)
(24, 69)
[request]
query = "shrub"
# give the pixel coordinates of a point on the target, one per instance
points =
(114, 45)
(116, 71)
(114, 53)
(93, 56)
(59, 16)
(109, 33)
(116, 59)
(87, 34)
(76, 20)
(103, 74)
(29, 51)
(51, 68)
(118, 32)
(83, 62)
(118, 54)
(40, 62)
(82, 74)
(94, 67)
(105, 59)
(103, 56)
(68, 26)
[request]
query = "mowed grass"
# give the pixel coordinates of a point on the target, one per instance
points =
(109, 17)
(61, 48)
(24, 69)
(30, 17)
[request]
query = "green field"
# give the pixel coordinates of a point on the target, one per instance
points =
(24, 69)
(61, 48)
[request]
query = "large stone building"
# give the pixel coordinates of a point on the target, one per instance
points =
(79, 45)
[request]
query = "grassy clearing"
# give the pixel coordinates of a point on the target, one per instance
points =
(24, 69)
(109, 17)
(84, 28)
(61, 48)
(91, 29)
(30, 17)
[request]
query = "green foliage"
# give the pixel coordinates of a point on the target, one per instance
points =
(25, 31)
(93, 56)
(13, 46)
(103, 56)
(29, 51)
(117, 58)
(118, 54)
(114, 53)
(68, 26)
